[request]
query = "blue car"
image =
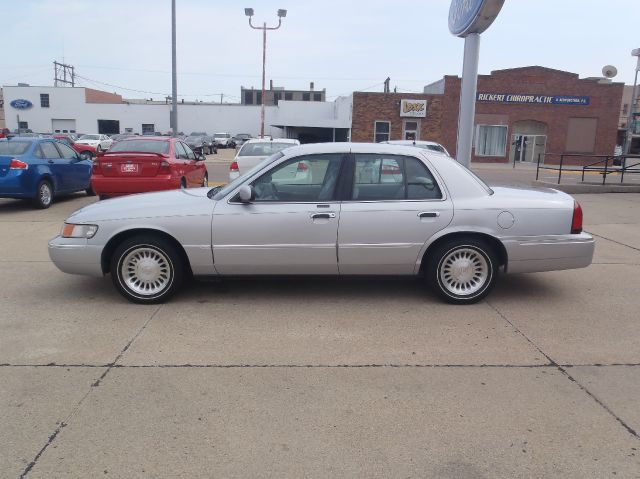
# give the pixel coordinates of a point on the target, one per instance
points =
(40, 169)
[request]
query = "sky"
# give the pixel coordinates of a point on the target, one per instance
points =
(125, 46)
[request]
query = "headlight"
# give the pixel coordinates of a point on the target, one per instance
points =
(79, 231)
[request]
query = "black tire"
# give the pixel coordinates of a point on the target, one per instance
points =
(98, 149)
(89, 191)
(44, 195)
(183, 184)
(205, 180)
(162, 260)
(103, 197)
(462, 270)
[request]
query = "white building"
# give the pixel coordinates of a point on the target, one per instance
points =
(84, 110)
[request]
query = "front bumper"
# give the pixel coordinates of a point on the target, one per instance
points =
(76, 256)
(549, 253)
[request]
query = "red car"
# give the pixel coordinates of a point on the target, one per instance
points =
(141, 164)
(87, 152)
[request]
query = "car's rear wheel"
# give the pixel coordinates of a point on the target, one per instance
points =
(86, 155)
(183, 184)
(98, 148)
(44, 195)
(462, 270)
(147, 269)
(89, 191)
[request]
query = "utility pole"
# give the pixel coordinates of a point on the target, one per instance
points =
(174, 76)
(64, 75)
(281, 14)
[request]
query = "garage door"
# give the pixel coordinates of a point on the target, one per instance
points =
(63, 126)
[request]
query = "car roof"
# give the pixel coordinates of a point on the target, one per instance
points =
(152, 138)
(311, 148)
(274, 140)
(411, 142)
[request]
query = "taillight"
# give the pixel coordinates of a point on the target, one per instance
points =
(16, 164)
(165, 167)
(234, 167)
(97, 168)
(302, 166)
(576, 221)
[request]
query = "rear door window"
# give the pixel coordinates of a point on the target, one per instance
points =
(380, 177)
(66, 152)
(49, 150)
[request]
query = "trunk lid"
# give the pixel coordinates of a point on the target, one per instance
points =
(126, 165)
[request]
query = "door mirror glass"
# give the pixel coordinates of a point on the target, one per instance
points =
(246, 193)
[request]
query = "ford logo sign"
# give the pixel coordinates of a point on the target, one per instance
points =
(472, 16)
(21, 104)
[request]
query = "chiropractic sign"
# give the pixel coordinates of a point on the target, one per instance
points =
(533, 99)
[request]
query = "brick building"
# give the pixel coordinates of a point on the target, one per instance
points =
(521, 114)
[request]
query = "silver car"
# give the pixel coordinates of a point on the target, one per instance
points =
(359, 209)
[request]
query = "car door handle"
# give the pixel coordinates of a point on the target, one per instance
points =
(429, 214)
(50, 161)
(317, 216)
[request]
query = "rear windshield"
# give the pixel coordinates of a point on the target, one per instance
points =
(14, 147)
(142, 146)
(262, 149)
(90, 137)
(433, 148)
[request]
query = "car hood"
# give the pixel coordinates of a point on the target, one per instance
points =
(191, 202)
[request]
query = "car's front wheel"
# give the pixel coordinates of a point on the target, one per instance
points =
(462, 270)
(147, 269)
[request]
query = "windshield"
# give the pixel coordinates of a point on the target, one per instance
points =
(197, 134)
(221, 135)
(142, 146)
(90, 137)
(193, 137)
(13, 147)
(231, 186)
(263, 148)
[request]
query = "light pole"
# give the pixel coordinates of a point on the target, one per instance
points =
(632, 108)
(174, 76)
(281, 14)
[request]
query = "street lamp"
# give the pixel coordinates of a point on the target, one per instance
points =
(632, 107)
(249, 13)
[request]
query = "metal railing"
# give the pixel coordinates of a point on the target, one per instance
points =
(606, 165)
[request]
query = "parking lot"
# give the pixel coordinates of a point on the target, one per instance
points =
(320, 377)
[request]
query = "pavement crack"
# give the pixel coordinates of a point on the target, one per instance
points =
(563, 370)
(614, 241)
(76, 408)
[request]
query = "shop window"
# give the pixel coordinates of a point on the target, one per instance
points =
(581, 135)
(288, 95)
(411, 129)
(248, 97)
(258, 98)
(23, 125)
(382, 131)
(277, 96)
(44, 100)
(306, 97)
(491, 140)
(317, 97)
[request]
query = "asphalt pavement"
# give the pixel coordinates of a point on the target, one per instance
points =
(320, 378)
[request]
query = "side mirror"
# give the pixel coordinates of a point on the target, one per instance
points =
(246, 194)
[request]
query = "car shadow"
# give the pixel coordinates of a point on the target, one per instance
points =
(19, 205)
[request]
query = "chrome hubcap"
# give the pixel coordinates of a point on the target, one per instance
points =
(464, 271)
(45, 194)
(146, 271)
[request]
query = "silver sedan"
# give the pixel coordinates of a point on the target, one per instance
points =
(329, 209)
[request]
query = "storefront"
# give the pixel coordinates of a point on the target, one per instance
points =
(522, 115)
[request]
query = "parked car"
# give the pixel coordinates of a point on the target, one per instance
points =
(141, 164)
(238, 140)
(254, 151)
(201, 142)
(221, 139)
(436, 220)
(40, 169)
(5, 132)
(99, 142)
(427, 145)
(85, 151)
